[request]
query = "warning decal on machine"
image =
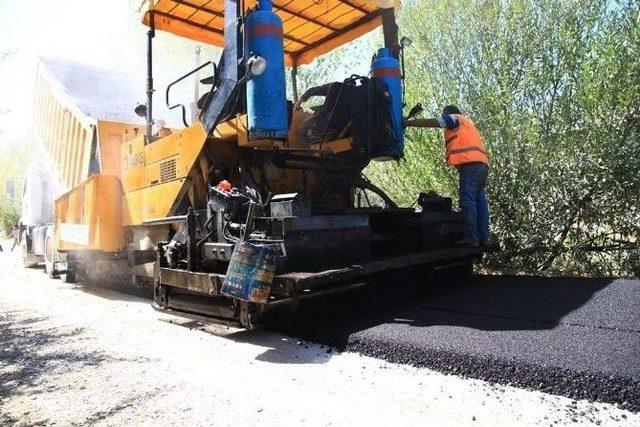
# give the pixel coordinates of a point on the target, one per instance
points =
(74, 233)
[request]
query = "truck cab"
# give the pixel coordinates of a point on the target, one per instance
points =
(39, 190)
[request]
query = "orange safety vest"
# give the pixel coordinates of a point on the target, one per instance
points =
(464, 144)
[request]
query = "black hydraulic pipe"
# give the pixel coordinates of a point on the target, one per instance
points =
(150, 35)
(192, 252)
(294, 82)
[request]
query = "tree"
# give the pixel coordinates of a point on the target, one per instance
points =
(13, 160)
(10, 167)
(554, 87)
(337, 65)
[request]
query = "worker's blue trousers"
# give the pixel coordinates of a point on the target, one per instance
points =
(473, 202)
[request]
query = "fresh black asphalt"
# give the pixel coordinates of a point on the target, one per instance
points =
(570, 336)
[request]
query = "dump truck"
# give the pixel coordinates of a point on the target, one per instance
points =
(81, 116)
(258, 206)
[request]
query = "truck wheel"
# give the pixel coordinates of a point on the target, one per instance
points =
(49, 264)
(69, 277)
(28, 260)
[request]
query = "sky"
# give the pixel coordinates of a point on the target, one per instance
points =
(94, 32)
(102, 33)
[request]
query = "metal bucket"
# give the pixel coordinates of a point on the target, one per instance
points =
(250, 273)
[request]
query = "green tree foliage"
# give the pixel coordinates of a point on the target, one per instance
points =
(337, 65)
(11, 166)
(13, 160)
(554, 87)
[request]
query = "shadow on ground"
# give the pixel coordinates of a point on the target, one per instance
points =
(26, 359)
(117, 292)
(487, 303)
(484, 302)
(279, 349)
(283, 349)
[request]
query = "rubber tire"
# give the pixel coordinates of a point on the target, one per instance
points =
(49, 266)
(27, 258)
(69, 277)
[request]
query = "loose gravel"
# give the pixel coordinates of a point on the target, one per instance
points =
(73, 355)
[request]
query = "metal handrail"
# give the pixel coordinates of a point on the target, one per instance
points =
(195, 70)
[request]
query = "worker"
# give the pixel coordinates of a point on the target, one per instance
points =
(329, 119)
(15, 234)
(465, 151)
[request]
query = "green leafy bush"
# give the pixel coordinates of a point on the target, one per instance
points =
(554, 87)
(13, 160)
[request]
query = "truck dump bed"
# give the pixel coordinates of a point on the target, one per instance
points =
(82, 113)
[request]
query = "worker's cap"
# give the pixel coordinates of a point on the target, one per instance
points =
(450, 109)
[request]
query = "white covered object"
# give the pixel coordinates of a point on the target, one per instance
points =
(40, 189)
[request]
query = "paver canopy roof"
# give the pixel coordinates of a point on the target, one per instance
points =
(311, 27)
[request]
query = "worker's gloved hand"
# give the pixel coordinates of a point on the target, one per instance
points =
(298, 105)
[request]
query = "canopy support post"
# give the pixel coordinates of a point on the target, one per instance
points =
(150, 35)
(390, 31)
(226, 93)
(294, 81)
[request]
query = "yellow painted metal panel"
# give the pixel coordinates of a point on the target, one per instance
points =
(68, 148)
(39, 102)
(188, 142)
(42, 116)
(228, 129)
(50, 118)
(152, 202)
(87, 141)
(54, 125)
(336, 146)
(111, 136)
(154, 176)
(162, 171)
(57, 135)
(46, 119)
(51, 134)
(177, 152)
(132, 163)
(89, 216)
(142, 164)
(81, 155)
(58, 140)
(236, 129)
(77, 158)
(73, 150)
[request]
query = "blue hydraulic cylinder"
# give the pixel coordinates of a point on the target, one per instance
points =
(266, 93)
(386, 69)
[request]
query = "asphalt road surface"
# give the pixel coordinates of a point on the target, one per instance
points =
(570, 336)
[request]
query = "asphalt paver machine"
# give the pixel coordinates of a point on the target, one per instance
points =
(245, 217)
